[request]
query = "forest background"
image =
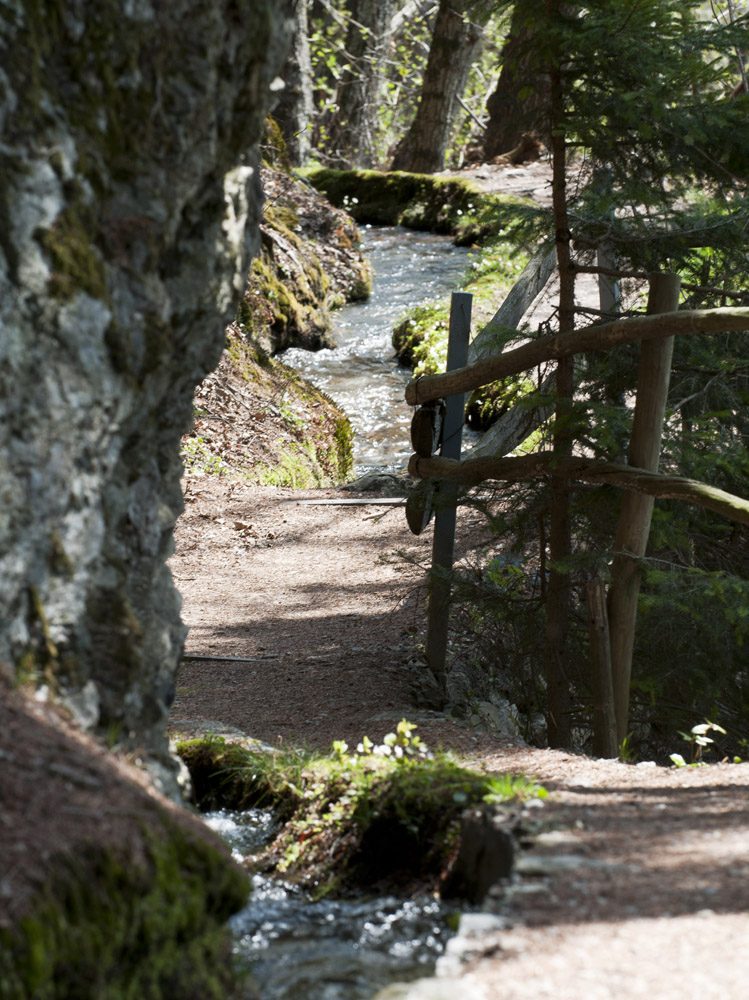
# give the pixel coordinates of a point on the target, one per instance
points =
(640, 108)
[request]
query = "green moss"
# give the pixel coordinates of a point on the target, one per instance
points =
(361, 289)
(344, 448)
(77, 266)
(422, 329)
(312, 444)
(285, 218)
(382, 816)
(287, 302)
(112, 928)
(420, 201)
(40, 661)
(291, 470)
(273, 147)
(420, 336)
(487, 404)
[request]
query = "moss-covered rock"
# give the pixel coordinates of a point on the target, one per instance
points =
(420, 201)
(420, 337)
(110, 927)
(308, 266)
(386, 816)
(109, 892)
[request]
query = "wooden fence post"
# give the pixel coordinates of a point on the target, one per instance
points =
(446, 492)
(636, 510)
(604, 718)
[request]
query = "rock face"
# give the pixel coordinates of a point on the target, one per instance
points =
(129, 197)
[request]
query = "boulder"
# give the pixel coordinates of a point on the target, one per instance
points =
(485, 856)
(129, 202)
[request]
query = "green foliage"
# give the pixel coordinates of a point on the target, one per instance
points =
(506, 788)
(387, 812)
(645, 96)
(403, 72)
(699, 743)
(197, 457)
(627, 752)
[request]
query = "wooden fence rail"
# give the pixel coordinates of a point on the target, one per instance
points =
(612, 636)
(601, 337)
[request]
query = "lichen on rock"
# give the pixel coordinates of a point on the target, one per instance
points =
(129, 201)
(309, 264)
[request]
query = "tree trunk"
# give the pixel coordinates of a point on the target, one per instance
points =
(560, 542)
(511, 117)
(294, 110)
(636, 511)
(353, 130)
(455, 42)
(604, 718)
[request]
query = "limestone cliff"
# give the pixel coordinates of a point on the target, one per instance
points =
(129, 197)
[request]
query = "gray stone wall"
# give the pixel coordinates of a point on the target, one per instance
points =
(129, 198)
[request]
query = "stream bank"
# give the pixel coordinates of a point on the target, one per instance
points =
(348, 854)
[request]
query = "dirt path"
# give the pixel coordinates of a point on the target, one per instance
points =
(322, 599)
(638, 885)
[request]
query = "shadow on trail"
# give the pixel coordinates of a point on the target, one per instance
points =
(641, 852)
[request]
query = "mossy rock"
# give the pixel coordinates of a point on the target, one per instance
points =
(349, 821)
(420, 201)
(309, 265)
(420, 336)
(112, 893)
(486, 405)
(113, 928)
(300, 437)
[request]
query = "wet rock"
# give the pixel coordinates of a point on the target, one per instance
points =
(486, 856)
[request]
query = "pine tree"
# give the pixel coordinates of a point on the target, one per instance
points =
(637, 94)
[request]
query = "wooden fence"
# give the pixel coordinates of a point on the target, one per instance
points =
(612, 610)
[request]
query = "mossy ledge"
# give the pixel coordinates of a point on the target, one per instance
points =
(300, 437)
(351, 821)
(419, 201)
(309, 265)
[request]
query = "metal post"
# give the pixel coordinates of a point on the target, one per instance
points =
(446, 493)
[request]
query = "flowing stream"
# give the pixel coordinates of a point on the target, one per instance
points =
(333, 949)
(349, 949)
(361, 374)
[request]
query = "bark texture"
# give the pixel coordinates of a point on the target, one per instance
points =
(129, 199)
(455, 41)
(353, 130)
(295, 109)
(520, 103)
